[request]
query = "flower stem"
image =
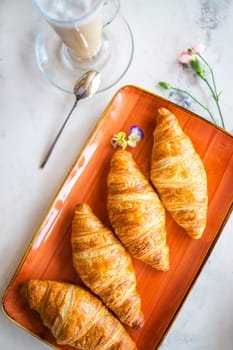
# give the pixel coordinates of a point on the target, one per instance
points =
(194, 99)
(213, 90)
(215, 97)
(210, 69)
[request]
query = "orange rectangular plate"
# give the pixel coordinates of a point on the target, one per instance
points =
(48, 255)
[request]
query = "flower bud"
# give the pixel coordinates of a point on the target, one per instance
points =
(197, 67)
(165, 85)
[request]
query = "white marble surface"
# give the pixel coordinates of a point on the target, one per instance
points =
(32, 110)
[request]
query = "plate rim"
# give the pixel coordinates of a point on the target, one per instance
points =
(52, 202)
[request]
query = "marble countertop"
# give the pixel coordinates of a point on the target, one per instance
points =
(32, 109)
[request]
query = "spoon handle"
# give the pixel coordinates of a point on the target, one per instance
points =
(58, 135)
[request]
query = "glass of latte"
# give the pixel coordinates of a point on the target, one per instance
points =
(79, 35)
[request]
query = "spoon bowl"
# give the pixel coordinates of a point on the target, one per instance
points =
(87, 85)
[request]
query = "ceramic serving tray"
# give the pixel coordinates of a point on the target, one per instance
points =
(48, 255)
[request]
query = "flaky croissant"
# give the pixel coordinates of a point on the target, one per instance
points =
(135, 211)
(178, 174)
(76, 317)
(105, 266)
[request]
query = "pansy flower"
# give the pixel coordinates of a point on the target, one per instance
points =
(121, 140)
(135, 136)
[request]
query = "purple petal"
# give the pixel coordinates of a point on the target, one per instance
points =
(136, 130)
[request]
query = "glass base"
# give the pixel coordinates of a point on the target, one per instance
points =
(113, 60)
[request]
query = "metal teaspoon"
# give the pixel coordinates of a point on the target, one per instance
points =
(85, 87)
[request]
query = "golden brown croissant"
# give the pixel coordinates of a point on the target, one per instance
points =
(105, 266)
(178, 174)
(135, 211)
(76, 317)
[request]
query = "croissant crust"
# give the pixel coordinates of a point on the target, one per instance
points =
(76, 317)
(135, 211)
(105, 266)
(178, 174)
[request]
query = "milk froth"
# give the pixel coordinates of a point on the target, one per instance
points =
(78, 23)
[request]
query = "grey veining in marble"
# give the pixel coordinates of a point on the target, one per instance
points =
(212, 14)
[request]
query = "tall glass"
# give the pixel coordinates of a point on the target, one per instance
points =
(83, 35)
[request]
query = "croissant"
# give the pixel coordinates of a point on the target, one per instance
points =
(178, 174)
(105, 266)
(75, 316)
(135, 211)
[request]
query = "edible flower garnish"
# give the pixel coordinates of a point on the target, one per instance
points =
(194, 59)
(121, 140)
(135, 136)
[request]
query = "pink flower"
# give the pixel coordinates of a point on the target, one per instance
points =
(186, 56)
(200, 48)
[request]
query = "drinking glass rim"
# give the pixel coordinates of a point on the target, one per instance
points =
(68, 22)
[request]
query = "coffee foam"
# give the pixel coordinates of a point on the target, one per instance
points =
(67, 10)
